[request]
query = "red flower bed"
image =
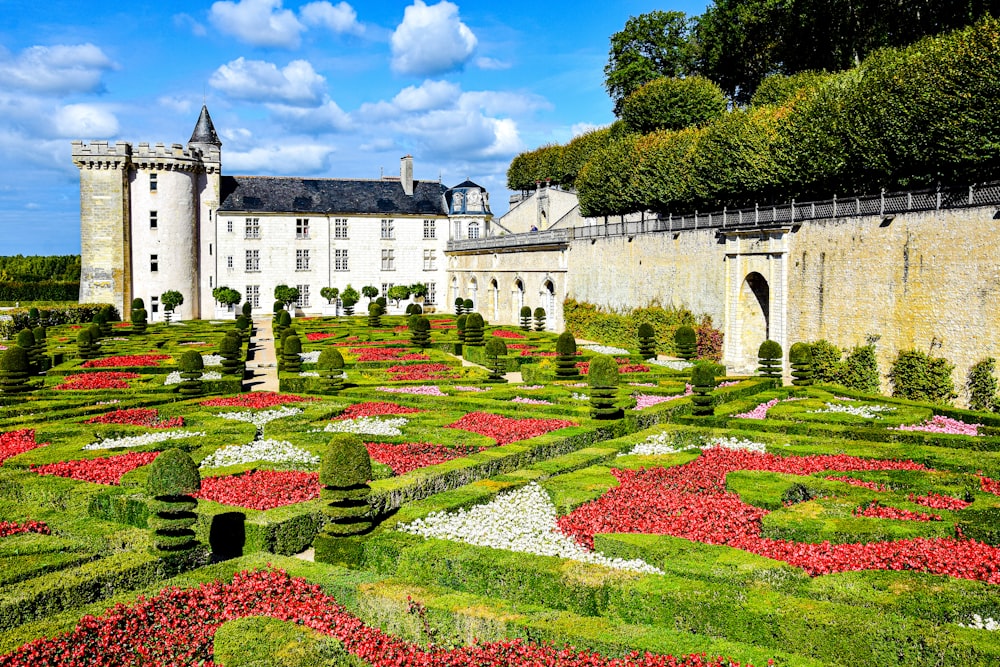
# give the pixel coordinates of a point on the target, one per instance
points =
(536, 353)
(507, 429)
(938, 502)
(504, 333)
(520, 346)
(407, 456)
(874, 486)
(261, 489)
(257, 399)
(443, 326)
(126, 360)
(319, 336)
(108, 470)
(98, 380)
(988, 485)
(386, 354)
(176, 627)
(137, 417)
(13, 443)
(418, 372)
(8, 528)
(373, 409)
(875, 510)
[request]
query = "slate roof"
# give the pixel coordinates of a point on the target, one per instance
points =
(204, 130)
(272, 194)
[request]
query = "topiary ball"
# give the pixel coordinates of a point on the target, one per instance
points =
(85, 337)
(138, 304)
(330, 359)
(15, 360)
(346, 463)
(284, 319)
(703, 375)
(496, 348)
(603, 371)
(646, 330)
(291, 345)
(191, 362)
(525, 311)
(38, 333)
(468, 305)
(375, 309)
(25, 339)
(800, 353)
(566, 343)
(279, 306)
(229, 346)
(173, 473)
(769, 349)
(461, 322)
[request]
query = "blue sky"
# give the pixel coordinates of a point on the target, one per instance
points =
(315, 88)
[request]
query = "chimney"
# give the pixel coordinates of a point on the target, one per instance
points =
(406, 173)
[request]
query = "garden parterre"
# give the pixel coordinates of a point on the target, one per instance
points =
(817, 485)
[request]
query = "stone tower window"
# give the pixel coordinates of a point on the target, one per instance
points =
(153, 220)
(154, 263)
(152, 182)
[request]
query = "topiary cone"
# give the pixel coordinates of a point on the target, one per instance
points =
(420, 331)
(686, 342)
(14, 374)
(703, 383)
(344, 473)
(171, 484)
(603, 380)
(290, 349)
(496, 351)
(566, 360)
(474, 330)
(769, 356)
(647, 340)
(525, 317)
(331, 367)
(191, 365)
(800, 357)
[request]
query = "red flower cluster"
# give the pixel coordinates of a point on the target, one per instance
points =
(135, 360)
(520, 346)
(13, 443)
(504, 333)
(417, 372)
(386, 354)
(507, 429)
(8, 528)
(108, 470)
(98, 380)
(261, 489)
(373, 409)
(319, 336)
(407, 456)
(623, 367)
(443, 326)
(876, 511)
(874, 486)
(690, 501)
(176, 627)
(988, 485)
(137, 417)
(939, 502)
(257, 399)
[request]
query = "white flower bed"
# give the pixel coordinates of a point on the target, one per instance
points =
(175, 377)
(980, 623)
(605, 349)
(211, 359)
(524, 521)
(261, 417)
(270, 451)
(675, 364)
(580, 397)
(661, 443)
(309, 357)
(142, 440)
(367, 426)
(866, 411)
(308, 374)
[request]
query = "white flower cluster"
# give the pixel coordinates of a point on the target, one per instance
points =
(866, 411)
(662, 443)
(605, 349)
(262, 417)
(308, 374)
(309, 357)
(524, 521)
(144, 439)
(270, 451)
(211, 359)
(367, 426)
(980, 623)
(580, 397)
(175, 377)
(675, 364)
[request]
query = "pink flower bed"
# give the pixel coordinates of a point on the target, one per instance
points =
(418, 390)
(135, 360)
(520, 346)
(690, 501)
(176, 627)
(13, 443)
(8, 528)
(623, 367)
(407, 456)
(107, 470)
(939, 502)
(530, 401)
(507, 429)
(504, 333)
(760, 412)
(261, 489)
(874, 486)
(256, 399)
(942, 424)
(875, 510)
(98, 380)
(374, 409)
(149, 417)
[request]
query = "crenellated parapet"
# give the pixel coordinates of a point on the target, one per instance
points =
(160, 157)
(102, 154)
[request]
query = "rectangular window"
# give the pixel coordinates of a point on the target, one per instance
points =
(302, 228)
(152, 183)
(210, 281)
(154, 304)
(430, 261)
(253, 260)
(229, 262)
(429, 229)
(340, 228)
(431, 289)
(153, 220)
(253, 295)
(209, 249)
(387, 226)
(253, 228)
(229, 226)
(340, 260)
(301, 260)
(303, 300)
(388, 261)
(154, 263)
(386, 287)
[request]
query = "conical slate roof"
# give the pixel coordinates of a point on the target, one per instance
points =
(204, 131)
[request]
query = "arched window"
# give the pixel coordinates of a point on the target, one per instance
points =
(473, 230)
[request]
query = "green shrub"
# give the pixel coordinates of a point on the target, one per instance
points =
(860, 369)
(566, 359)
(919, 377)
(290, 349)
(982, 386)
(460, 323)
(496, 350)
(41, 347)
(526, 318)
(703, 383)
(539, 319)
(474, 330)
(230, 348)
(172, 481)
(800, 357)
(374, 315)
(686, 342)
(243, 326)
(278, 306)
(26, 340)
(191, 365)
(33, 317)
(647, 340)
(14, 371)
(331, 367)
(344, 473)
(247, 309)
(261, 641)
(85, 345)
(769, 356)
(459, 305)
(826, 363)
(468, 306)
(603, 380)
(670, 103)
(420, 331)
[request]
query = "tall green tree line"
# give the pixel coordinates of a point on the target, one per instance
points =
(38, 268)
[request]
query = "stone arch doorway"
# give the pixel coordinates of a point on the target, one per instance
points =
(517, 299)
(548, 299)
(454, 290)
(473, 293)
(754, 307)
(495, 298)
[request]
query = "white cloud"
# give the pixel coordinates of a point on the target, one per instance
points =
(180, 105)
(340, 18)
(431, 40)
(298, 159)
(583, 128)
(499, 102)
(491, 63)
(258, 22)
(328, 117)
(428, 95)
(188, 22)
(259, 81)
(85, 121)
(59, 69)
